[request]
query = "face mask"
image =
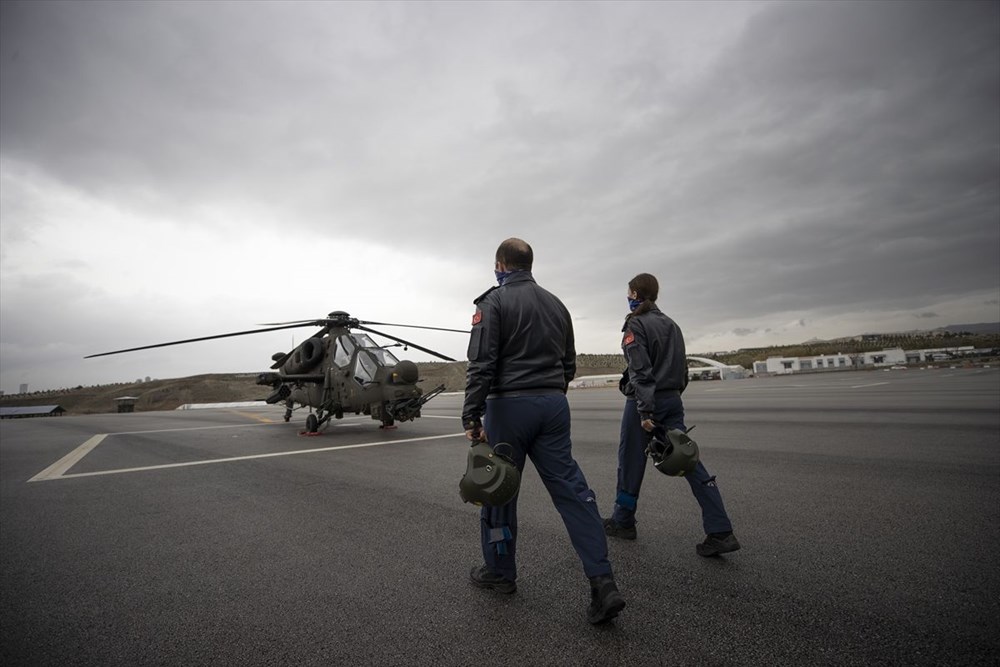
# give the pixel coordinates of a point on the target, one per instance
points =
(502, 276)
(634, 303)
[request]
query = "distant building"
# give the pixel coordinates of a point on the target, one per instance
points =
(32, 411)
(782, 365)
(888, 357)
(939, 354)
(893, 356)
(23, 389)
(126, 403)
(710, 369)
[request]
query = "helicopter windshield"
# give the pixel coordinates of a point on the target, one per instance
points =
(385, 357)
(365, 367)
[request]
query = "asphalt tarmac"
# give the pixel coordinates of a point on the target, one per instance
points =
(867, 504)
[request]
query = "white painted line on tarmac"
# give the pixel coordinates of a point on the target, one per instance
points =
(232, 459)
(438, 417)
(193, 428)
(874, 384)
(56, 470)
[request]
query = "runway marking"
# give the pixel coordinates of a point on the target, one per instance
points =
(57, 470)
(250, 415)
(874, 384)
(190, 428)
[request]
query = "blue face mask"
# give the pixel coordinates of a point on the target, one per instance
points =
(502, 276)
(634, 303)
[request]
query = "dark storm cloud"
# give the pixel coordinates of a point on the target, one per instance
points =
(856, 159)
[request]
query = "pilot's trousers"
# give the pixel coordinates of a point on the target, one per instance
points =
(538, 427)
(632, 466)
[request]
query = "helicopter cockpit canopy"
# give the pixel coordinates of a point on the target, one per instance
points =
(348, 343)
(384, 356)
(369, 358)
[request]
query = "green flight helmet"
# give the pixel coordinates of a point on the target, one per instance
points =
(490, 478)
(673, 452)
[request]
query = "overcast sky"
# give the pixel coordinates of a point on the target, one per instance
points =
(787, 170)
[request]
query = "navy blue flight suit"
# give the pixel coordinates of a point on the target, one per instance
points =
(657, 373)
(522, 356)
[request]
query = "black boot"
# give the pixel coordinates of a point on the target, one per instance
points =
(717, 543)
(605, 600)
(483, 577)
(614, 529)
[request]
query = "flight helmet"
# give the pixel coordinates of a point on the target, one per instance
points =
(490, 478)
(673, 452)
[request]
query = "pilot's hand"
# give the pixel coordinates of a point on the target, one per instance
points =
(475, 434)
(474, 431)
(648, 425)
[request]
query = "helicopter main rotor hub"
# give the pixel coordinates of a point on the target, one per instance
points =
(340, 318)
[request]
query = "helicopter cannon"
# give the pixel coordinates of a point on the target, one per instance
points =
(339, 370)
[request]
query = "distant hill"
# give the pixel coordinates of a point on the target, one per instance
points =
(169, 394)
(981, 328)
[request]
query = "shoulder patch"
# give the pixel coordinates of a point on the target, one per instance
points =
(477, 317)
(628, 339)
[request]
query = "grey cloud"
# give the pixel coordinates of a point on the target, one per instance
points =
(760, 159)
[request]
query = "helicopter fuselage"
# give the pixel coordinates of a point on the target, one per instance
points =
(344, 372)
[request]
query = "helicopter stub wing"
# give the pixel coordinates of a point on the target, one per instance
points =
(319, 378)
(277, 379)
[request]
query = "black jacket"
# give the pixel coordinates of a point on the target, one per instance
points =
(522, 339)
(657, 361)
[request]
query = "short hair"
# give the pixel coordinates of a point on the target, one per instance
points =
(645, 286)
(515, 254)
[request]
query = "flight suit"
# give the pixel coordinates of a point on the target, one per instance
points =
(653, 346)
(521, 358)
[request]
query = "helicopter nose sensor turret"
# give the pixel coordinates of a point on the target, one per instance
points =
(405, 372)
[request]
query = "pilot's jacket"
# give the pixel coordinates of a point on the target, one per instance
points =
(657, 363)
(522, 341)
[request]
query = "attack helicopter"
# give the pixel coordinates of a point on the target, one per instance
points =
(337, 371)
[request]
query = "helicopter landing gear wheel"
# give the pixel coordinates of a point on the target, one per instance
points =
(288, 415)
(312, 423)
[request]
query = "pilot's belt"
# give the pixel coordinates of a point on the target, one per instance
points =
(516, 393)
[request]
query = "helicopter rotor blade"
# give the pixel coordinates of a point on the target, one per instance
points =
(407, 343)
(195, 340)
(413, 326)
(318, 323)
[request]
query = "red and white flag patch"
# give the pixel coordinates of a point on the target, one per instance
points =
(477, 318)
(628, 339)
